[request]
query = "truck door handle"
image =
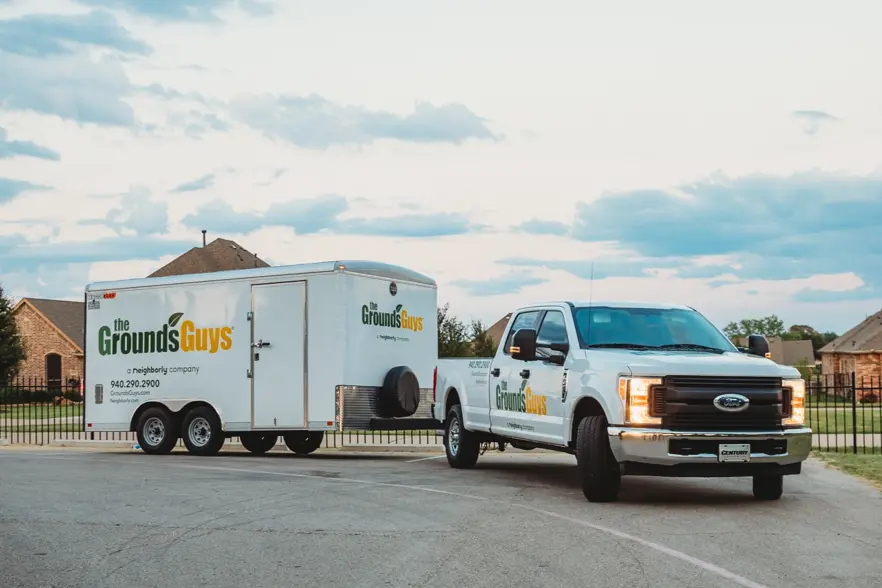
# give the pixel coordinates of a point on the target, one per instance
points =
(494, 372)
(525, 373)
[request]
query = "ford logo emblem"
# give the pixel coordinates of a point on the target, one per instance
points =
(732, 402)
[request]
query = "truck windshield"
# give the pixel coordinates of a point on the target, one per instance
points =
(648, 328)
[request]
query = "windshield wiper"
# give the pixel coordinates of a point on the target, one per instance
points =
(691, 347)
(618, 346)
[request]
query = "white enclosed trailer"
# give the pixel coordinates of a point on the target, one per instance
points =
(290, 351)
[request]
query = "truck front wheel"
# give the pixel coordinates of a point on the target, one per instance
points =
(461, 448)
(156, 431)
(303, 442)
(598, 469)
(258, 443)
(202, 431)
(768, 487)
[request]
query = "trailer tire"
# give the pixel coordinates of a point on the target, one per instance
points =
(598, 470)
(400, 394)
(258, 443)
(156, 431)
(303, 442)
(202, 431)
(768, 487)
(461, 447)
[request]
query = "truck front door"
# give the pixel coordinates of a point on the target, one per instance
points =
(278, 356)
(507, 409)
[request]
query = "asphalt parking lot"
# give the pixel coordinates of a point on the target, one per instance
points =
(84, 518)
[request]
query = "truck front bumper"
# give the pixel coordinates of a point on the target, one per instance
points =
(642, 451)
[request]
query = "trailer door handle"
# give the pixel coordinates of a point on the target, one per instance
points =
(494, 372)
(261, 344)
(525, 373)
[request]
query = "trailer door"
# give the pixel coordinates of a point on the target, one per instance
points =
(278, 356)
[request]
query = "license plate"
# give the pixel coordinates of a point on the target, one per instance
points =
(734, 452)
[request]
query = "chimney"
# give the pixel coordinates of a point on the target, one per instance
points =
(203, 237)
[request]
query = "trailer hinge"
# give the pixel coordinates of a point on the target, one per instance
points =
(248, 374)
(250, 315)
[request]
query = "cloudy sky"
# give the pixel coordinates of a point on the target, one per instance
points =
(723, 155)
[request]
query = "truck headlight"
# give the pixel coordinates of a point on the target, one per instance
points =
(797, 401)
(634, 393)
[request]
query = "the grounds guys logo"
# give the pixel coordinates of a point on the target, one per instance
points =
(166, 339)
(396, 319)
(521, 400)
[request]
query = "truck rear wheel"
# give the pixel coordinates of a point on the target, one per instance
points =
(768, 487)
(258, 443)
(304, 442)
(461, 448)
(598, 469)
(156, 431)
(202, 431)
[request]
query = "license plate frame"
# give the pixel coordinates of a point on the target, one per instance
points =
(733, 452)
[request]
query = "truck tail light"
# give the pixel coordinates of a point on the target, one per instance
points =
(435, 384)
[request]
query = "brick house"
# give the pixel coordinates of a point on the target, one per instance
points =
(498, 328)
(857, 351)
(52, 335)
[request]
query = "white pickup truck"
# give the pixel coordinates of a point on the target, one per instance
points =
(629, 389)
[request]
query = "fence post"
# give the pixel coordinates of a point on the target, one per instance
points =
(854, 411)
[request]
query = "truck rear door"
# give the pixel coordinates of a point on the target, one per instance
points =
(278, 356)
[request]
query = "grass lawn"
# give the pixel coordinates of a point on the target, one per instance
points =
(866, 466)
(839, 420)
(39, 411)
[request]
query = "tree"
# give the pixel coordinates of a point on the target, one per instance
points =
(453, 338)
(12, 351)
(770, 326)
(482, 343)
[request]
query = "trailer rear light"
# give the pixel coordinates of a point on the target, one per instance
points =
(435, 384)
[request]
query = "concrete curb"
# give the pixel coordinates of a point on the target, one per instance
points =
(4, 442)
(237, 447)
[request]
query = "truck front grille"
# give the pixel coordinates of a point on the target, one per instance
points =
(686, 403)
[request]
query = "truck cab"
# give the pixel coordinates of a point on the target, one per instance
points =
(629, 389)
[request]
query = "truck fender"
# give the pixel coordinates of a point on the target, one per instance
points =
(609, 412)
(176, 406)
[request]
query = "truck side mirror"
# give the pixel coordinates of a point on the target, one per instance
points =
(758, 345)
(523, 345)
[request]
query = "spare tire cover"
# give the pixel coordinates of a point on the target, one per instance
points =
(400, 394)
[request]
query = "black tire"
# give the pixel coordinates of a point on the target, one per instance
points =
(598, 469)
(202, 431)
(400, 393)
(258, 443)
(461, 447)
(156, 431)
(303, 442)
(768, 487)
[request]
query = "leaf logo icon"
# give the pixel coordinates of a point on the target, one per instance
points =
(174, 319)
(398, 309)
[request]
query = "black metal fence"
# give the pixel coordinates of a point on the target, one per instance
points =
(843, 411)
(33, 412)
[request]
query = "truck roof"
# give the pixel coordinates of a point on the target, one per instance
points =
(370, 268)
(613, 303)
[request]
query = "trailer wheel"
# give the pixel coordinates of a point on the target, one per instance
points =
(258, 443)
(461, 448)
(768, 487)
(156, 431)
(303, 442)
(202, 431)
(400, 394)
(598, 469)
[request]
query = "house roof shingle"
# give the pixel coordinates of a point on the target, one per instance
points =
(866, 336)
(498, 328)
(68, 316)
(219, 255)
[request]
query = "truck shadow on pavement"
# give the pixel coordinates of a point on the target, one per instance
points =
(644, 490)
